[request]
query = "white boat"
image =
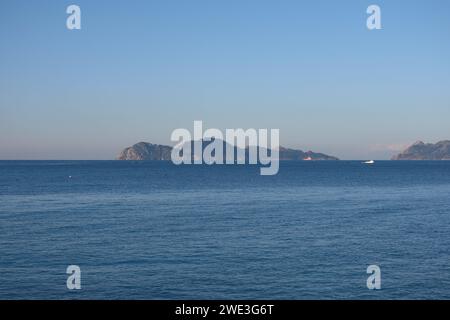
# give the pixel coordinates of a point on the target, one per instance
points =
(369, 162)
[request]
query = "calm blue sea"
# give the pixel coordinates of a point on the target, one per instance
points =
(153, 230)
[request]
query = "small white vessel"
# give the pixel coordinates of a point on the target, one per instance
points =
(369, 162)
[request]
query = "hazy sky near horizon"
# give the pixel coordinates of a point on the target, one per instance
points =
(137, 70)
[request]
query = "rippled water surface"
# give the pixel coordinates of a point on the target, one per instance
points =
(152, 230)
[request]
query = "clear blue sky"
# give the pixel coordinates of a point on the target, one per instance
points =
(139, 69)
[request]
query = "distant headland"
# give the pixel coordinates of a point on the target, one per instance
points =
(426, 151)
(149, 151)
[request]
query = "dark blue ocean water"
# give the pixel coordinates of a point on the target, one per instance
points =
(152, 230)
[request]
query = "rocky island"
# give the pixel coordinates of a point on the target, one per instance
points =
(145, 151)
(426, 151)
(149, 151)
